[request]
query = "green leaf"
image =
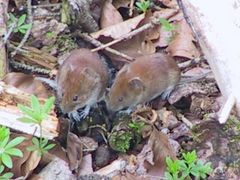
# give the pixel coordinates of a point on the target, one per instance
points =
(6, 160)
(21, 20)
(48, 105)
(25, 26)
(190, 157)
(36, 142)
(23, 31)
(50, 146)
(32, 148)
(167, 26)
(4, 132)
(4, 142)
(35, 104)
(14, 152)
(43, 142)
(28, 120)
(1, 168)
(26, 110)
(168, 176)
(7, 175)
(15, 142)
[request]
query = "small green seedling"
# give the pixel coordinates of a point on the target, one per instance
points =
(167, 26)
(7, 148)
(143, 5)
(188, 166)
(5, 176)
(19, 23)
(35, 114)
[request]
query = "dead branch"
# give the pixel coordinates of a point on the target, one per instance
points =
(98, 44)
(3, 32)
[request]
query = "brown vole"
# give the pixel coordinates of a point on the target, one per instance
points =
(81, 82)
(143, 80)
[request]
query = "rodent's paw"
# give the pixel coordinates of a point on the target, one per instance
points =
(74, 116)
(78, 116)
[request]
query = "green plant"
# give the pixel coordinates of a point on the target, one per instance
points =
(167, 26)
(35, 114)
(136, 126)
(188, 166)
(143, 5)
(120, 141)
(4, 176)
(7, 148)
(18, 23)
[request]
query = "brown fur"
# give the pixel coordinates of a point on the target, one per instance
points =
(83, 74)
(143, 80)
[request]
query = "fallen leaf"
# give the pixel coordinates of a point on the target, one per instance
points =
(169, 3)
(185, 90)
(110, 15)
(151, 160)
(120, 29)
(74, 151)
(182, 44)
(167, 118)
(31, 163)
(27, 83)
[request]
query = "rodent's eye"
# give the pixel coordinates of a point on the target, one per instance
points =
(120, 99)
(75, 98)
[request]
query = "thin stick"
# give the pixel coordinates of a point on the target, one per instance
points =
(30, 19)
(98, 44)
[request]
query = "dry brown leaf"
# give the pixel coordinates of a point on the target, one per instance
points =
(27, 83)
(167, 118)
(31, 163)
(120, 29)
(169, 3)
(74, 151)
(19, 162)
(182, 44)
(151, 160)
(110, 16)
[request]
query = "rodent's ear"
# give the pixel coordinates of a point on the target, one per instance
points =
(90, 73)
(136, 83)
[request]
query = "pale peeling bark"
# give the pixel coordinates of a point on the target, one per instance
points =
(3, 30)
(216, 25)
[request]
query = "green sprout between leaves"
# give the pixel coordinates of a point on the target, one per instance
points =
(143, 5)
(35, 114)
(167, 26)
(19, 23)
(188, 166)
(7, 148)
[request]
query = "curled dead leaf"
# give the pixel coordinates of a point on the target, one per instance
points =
(110, 15)
(74, 151)
(27, 83)
(182, 44)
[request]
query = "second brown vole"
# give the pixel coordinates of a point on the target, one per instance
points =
(143, 80)
(81, 82)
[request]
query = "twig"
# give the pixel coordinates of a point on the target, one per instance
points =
(97, 43)
(27, 34)
(186, 121)
(126, 36)
(131, 8)
(226, 109)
